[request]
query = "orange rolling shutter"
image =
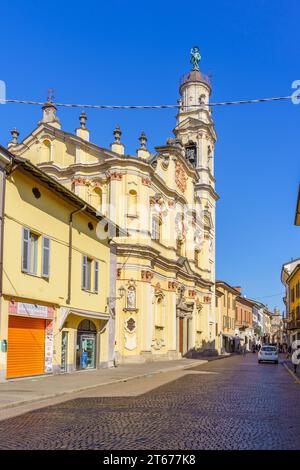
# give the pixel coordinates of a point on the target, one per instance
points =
(26, 347)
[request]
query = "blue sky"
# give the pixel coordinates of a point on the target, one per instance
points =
(130, 52)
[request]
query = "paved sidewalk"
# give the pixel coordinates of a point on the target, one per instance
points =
(290, 366)
(17, 392)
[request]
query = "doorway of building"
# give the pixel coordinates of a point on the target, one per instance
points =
(86, 345)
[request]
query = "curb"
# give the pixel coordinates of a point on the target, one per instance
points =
(291, 373)
(89, 387)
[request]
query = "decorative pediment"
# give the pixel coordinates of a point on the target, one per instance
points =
(184, 264)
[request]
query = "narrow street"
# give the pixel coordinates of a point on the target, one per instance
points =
(231, 403)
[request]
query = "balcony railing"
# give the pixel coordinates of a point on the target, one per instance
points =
(293, 324)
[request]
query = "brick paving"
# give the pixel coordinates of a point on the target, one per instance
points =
(238, 404)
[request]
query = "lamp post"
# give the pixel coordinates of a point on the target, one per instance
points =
(121, 292)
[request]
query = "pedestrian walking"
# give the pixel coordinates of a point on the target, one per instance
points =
(289, 352)
(295, 359)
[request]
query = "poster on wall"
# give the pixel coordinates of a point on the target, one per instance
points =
(49, 346)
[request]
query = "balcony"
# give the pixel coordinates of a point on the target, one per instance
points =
(293, 324)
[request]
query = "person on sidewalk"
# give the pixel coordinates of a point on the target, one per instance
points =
(295, 358)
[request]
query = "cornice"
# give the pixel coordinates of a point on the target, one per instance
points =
(157, 259)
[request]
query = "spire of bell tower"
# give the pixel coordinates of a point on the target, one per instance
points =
(195, 126)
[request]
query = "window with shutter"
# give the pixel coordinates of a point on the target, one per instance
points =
(46, 257)
(84, 272)
(25, 250)
(96, 276)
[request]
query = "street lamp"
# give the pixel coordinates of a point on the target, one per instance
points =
(121, 292)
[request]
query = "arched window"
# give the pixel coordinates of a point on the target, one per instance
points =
(87, 325)
(132, 202)
(46, 154)
(97, 199)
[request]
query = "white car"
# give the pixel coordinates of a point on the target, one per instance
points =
(268, 353)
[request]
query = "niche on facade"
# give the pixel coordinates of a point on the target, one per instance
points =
(158, 341)
(131, 296)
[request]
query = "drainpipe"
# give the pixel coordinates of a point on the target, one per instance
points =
(2, 204)
(68, 301)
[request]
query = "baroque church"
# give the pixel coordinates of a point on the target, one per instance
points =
(165, 201)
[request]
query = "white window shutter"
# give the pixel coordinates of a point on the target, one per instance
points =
(46, 257)
(84, 272)
(96, 276)
(25, 249)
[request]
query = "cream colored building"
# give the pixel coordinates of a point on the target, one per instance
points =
(166, 201)
(227, 316)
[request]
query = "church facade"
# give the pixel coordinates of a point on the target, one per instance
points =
(165, 265)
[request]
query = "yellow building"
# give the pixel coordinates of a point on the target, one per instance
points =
(56, 281)
(227, 315)
(290, 277)
(166, 202)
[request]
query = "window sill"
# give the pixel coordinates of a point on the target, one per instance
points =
(90, 291)
(36, 275)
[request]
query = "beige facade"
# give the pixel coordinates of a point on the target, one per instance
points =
(166, 202)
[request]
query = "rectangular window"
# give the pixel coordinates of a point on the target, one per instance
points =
(216, 301)
(25, 250)
(197, 258)
(155, 229)
(228, 302)
(96, 276)
(45, 257)
(90, 274)
(293, 294)
(29, 251)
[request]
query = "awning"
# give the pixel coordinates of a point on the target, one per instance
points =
(65, 312)
(227, 336)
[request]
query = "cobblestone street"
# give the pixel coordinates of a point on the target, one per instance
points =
(231, 403)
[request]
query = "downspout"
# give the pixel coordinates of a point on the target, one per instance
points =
(2, 204)
(68, 301)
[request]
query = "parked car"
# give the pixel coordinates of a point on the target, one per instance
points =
(268, 353)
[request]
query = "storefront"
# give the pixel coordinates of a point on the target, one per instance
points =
(83, 342)
(29, 340)
(86, 345)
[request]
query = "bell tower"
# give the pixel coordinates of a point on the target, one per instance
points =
(196, 133)
(195, 127)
